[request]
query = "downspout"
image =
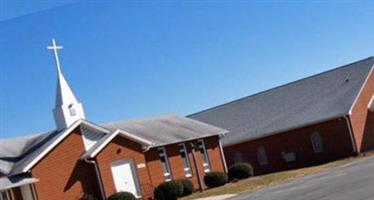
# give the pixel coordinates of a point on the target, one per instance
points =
(197, 168)
(351, 134)
(222, 153)
(102, 192)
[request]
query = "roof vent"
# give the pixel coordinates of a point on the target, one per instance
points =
(347, 79)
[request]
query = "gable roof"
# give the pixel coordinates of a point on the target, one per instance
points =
(155, 131)
(18, 155)
(94, 150)
(28, 150)
(304, 102)
(13, 149)
(167, 129)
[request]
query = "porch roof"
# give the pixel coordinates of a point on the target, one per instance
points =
(7, 183)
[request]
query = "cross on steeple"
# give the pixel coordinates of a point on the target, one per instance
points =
(55, 48)
(67, 109)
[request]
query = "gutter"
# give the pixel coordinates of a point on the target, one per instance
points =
(353, 141)
(222, 155)
(102, 192)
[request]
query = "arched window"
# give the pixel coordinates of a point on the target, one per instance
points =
(72, 110)
(261, 156)
(317, 142)
(238, 157)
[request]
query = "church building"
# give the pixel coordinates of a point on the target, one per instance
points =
(84, 160)
(310, 121)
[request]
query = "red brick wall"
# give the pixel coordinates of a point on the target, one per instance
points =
(215, 156)
(123, 149)
(334, 134)
(362, 120)
(176, 162)
(62, 175)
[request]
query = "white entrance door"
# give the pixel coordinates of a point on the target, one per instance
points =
(125, 177)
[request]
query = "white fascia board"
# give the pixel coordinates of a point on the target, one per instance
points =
(102, 145)
(62, 137)
(94, 126)
(371, 73)
(122, 133)
(135, 138)
(371, 104)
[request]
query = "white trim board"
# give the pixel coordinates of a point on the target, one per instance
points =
(60, 138)
(371, 104)
(122, 133)
(361, 89)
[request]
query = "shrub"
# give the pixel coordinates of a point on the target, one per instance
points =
(188, 187)
(169, 190)
(159, 194)
(122, 196)
(240, 171)
(215, 179)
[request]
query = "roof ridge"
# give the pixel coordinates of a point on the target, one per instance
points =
(140, 119)
(283, 85)
(27, 136)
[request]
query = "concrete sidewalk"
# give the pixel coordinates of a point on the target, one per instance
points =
(219, 197)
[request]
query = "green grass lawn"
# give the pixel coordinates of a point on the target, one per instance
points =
(258, 182)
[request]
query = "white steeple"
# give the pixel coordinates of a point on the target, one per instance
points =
(67, 109)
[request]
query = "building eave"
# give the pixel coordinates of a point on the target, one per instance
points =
(286, 130)
(59, 139)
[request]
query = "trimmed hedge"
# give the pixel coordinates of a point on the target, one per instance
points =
(122, 196)
(240, 171)
(188, 187)
(215, 179)
(170, 190)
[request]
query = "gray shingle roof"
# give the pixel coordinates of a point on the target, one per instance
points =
(306, 101)
(17, 153)
(166, 129)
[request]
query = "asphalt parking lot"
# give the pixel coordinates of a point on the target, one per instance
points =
(354, 181)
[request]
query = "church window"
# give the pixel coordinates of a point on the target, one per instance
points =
(261, 156)
(6, 195)
(165, 163)
(317, 142)
(238, 157)
(186, 161)
(204, 153)
(72, 110)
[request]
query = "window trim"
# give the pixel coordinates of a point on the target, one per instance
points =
(238, 157)
(183, 150)
(206, 164)
(163, 153)
(317, 143)
(72, 110)
(8, 193)
(262, 157)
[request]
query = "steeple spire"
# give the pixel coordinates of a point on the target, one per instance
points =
(67, 109)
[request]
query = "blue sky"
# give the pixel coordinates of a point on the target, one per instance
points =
(144, 58)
